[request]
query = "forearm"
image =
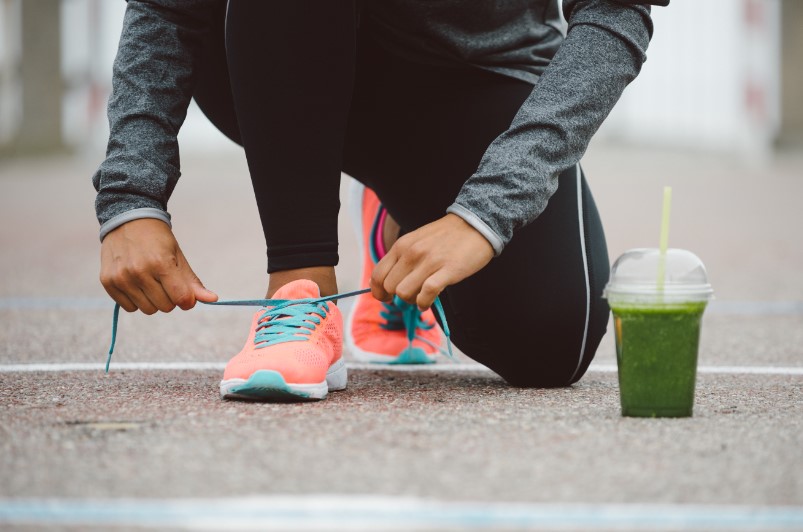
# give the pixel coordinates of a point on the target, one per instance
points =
(152, 85)
(603, 52)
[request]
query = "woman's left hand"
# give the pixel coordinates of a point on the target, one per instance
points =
(422, 263)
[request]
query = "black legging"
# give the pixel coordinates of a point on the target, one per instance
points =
(312, 96)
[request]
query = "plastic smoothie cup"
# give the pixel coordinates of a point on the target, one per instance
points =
(657, 325)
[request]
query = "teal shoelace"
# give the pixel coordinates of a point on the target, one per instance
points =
(299, 317)
(400, 315)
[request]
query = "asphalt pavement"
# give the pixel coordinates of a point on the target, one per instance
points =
(450, 447)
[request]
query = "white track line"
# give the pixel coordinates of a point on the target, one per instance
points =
(354, 366)
(360, 512)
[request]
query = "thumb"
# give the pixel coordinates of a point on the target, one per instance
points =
(198, 289)
(201, 293)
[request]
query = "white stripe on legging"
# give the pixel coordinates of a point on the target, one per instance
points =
(585, 267)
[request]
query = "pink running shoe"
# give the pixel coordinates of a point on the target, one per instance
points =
(377, 332)
(293, 353)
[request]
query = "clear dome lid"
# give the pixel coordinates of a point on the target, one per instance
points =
(634, 277)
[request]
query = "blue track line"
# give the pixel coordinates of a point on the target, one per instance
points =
(386, 513)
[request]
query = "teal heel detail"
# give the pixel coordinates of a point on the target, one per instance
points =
(411, 355)
(267, 385)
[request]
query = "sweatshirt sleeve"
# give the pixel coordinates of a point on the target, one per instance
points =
(604, 49)
(152, 84)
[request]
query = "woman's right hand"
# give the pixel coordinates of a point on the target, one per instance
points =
(142, 267)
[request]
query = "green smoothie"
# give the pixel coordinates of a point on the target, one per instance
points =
(656, 349)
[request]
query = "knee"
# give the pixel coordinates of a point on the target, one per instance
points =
(542, 357)
(539, 374)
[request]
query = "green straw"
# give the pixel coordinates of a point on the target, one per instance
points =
(664, 237)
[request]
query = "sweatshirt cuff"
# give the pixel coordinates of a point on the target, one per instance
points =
(474, 221)
(134, 214)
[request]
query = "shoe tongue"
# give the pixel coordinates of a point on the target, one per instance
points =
(300, 289)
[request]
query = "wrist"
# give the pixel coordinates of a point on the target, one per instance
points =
(495, 241)
(130, 216)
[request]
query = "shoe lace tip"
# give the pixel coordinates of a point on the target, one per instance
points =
(445, 326)
(449, 348)
(115, 319)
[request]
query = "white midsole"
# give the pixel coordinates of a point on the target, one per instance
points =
(337, 376)
(336, 379)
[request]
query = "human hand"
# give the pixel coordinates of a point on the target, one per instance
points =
(422, 263)
(142, 267)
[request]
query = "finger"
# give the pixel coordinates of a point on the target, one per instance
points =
(120, 298)
(381, 270)
(400, 270)
(193, 283)
(142, 302)
(157, 295)
(432, 287)
(183, 286)
(185, 294)
(202, 293)
(410, 286)
(179, 291)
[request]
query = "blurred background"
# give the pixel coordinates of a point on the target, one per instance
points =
(717, 113)
(722, 75)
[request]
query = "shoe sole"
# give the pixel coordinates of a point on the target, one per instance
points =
(269, 386)
(414, 355)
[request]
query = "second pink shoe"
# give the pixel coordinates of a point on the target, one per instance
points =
(377, 332)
